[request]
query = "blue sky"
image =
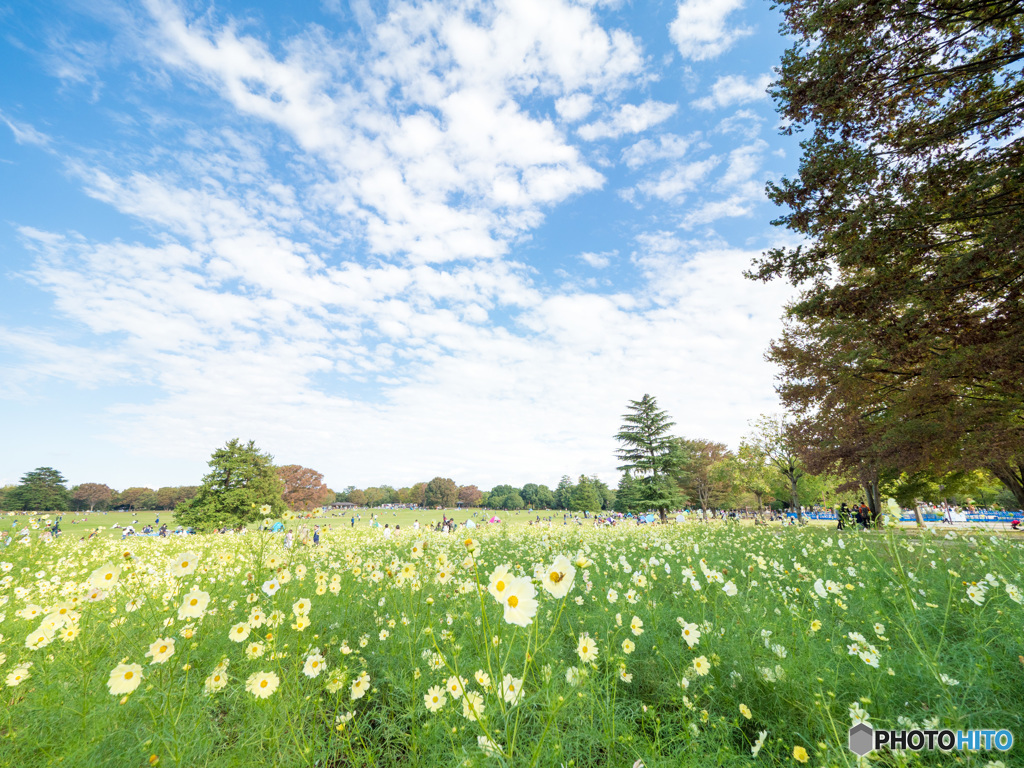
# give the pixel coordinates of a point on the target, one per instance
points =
(384, 240)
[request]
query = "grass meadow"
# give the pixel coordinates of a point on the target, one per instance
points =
(677, 645)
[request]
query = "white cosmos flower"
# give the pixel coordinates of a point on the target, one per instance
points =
(184, 564)
(558, 577)
(520, 602)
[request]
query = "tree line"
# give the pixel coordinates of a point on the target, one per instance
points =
(662, 472)
(45, 488)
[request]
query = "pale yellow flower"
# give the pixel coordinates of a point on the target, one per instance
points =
(434, 698)
(262, 684)
(184, 564)
(161, 650)
(124, 678)
(586, 648)
(360, 686)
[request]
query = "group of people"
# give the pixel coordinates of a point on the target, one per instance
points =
(304, 537)
(859, 512)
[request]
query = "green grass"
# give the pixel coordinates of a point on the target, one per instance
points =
(78, 524)
(760, 646)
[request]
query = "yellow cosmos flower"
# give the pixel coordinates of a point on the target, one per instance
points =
(124, 678)
(161, 650)
(262, 684)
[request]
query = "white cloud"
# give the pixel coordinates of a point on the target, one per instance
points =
(25, 133)
(744, 162)
(574, 107)
(675, 181)
(665, 146)
(700, 30)
(744, 122)
(734, 89)
(629, 118)
(597, 260)
(456, 166)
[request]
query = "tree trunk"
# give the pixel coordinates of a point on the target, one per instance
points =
(1012, 476)
(794, 496)
(919, 516)
(874, 500)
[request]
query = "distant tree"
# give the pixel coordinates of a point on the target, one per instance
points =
(545, 498)
(563, 493)
(626, 501)
(441, 492)
(405, 495)
(90, 495)
(708, 479)
(240, 482)
(304, 488)
(137, 497)
(470, 496)
(647, 454)
(170, 496)
(7, 494)
(585, 496)
(498, 494)
(42, 489)
(772, 438)
(513, 501)
(418, 494)
(607, 494)
(357, 497)
(375, 496)
(390, 495)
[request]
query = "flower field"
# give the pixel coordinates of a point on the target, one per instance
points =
(526, 646)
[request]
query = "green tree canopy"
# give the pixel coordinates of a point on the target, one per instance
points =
(585, 496)
(908, 206)
(241, 481)
(42, 489)
(648, 455)
(441, 492)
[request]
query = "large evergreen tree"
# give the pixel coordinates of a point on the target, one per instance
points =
(241, 481)
(42, 489)
(647, 455)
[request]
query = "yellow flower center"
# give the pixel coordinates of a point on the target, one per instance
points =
(555, 576)
(129, 675)
(163, 649)
(263, 683)
(108, 576)
(513, 601)
(184, 564)
(194, 601)
(500, 586)
(468, 542)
